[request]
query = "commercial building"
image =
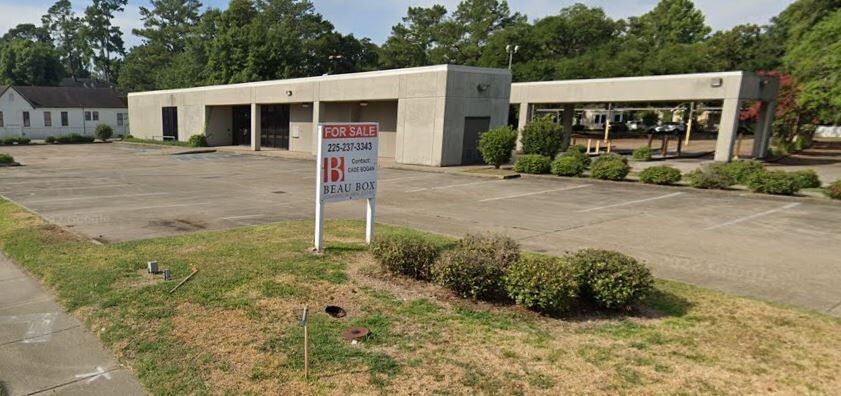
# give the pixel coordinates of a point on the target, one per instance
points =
(40, 112)
(428, 115)
(732, 89)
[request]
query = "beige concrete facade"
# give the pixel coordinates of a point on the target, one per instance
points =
(732, 88)
(422, 111)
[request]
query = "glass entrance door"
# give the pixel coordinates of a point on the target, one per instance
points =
(274, 126)
(241, 125)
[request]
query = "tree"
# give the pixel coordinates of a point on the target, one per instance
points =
(412, 40)
(462, 38)
(575, 30)
(740, 48)
(169, 23)
(105, 39)
(670, 22)
(65, 29)
(24, 62)
(816, 64)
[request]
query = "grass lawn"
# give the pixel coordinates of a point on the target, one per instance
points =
(176, 143)
(233, 328)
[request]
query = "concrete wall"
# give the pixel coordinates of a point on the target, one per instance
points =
(12, 105)
(219, 123)
(300, 124)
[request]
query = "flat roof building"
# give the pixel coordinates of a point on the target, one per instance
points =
(428, 115)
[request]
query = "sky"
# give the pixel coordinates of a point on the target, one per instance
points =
(374, 18)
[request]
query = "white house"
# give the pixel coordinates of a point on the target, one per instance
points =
(39, 112)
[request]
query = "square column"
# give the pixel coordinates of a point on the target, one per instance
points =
(764, 129)
(727, 130)
(567, 121)
(525, 117)
(255, 127)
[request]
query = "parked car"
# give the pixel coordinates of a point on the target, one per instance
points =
(670, 128)
(618, 127)
(636, 125)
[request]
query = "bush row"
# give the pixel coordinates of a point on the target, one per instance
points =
(14, 140)
(6, 158)
(73, 138)
(490, 266)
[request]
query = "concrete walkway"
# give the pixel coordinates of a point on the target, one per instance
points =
(45, 351)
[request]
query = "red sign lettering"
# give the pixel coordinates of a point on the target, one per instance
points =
(334, 169)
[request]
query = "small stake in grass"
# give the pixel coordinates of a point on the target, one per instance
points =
(306, 344)
(195, 270)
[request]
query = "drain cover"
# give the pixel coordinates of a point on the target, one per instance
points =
(355, 333)
(334, 311)
(278, 192)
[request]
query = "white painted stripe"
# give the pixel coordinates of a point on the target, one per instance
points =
(407, 178)
(166, 206)
(453, 186)
(753, 216)
(242, 217)
(60, 180)
(97, 197)
(631, 202)
(65, 188)
(535, 193)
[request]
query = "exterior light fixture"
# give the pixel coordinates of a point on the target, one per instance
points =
(483, 87)
(305, 105)
(511, 50)
(288, 93)
(363, 104)
(716, 82)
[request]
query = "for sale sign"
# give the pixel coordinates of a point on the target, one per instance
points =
(346, 170)
(348, 161)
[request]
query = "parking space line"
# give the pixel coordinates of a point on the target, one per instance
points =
(535, 193)
(242, 217)
(408, 178)
(452, 185)
(67, 188)
(630, 202)
(753, 216)
(97, 197)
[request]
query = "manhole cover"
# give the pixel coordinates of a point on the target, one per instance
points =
(278, 192)
(334, 311)
(355, 333)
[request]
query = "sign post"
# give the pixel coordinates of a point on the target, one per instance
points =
(346, 170)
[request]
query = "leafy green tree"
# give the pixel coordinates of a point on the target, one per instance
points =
(740, 48)
(463, 37)
(169, 23)
(29, 32)
(670, 22)
(411, 40)
(65, 29)
(105, 39)
(24, 62)
(575, 30)
(816, 64)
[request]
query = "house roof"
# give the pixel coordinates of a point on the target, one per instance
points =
(70, 96)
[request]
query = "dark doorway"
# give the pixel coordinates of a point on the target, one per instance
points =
(274, 126)
(473, 128)
(170, 123)
(241, 128)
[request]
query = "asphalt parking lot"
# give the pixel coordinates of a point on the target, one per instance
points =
(784, 250)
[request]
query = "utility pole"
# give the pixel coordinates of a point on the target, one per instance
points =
(334, 59)
(511, 50)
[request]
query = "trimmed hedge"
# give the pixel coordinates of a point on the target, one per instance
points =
(533, 164)
(6, 159)
(642, 154)
(610, 279)
(568, 165)
(543, 136)
(476, 267)
(834, 190)
(497, 144)
(15, 140)
(73, 138)
(663, 175)
(610, 167)
(197, 141)
(743, 170)
(580, 152)
(711, 176)
(103, 132)
(544, 284)
(774, 182)
(807, 178)
(405, 255)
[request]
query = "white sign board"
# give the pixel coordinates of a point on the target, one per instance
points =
(346, 169)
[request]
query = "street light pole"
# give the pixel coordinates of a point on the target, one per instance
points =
(334, 59)
(511, 50)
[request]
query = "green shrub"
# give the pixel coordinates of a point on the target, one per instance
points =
(50, 139)
(610, 167)
(544, 284)
(476, 266)
(542, 136)
(405, 255)
(741, 171)
(103, 132)
(568, 165)
(497, 144)
(198, 141)
(579, 151)
(834, 190)
(710, 176)
(642, 154)
(663, 175)
(774, 182)
(6, 159)
(577, 148)
(23, 140)
(532, 163)
(14, 140)
(807, 178)
(610, 279)
(74, 138)
(129, 136)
